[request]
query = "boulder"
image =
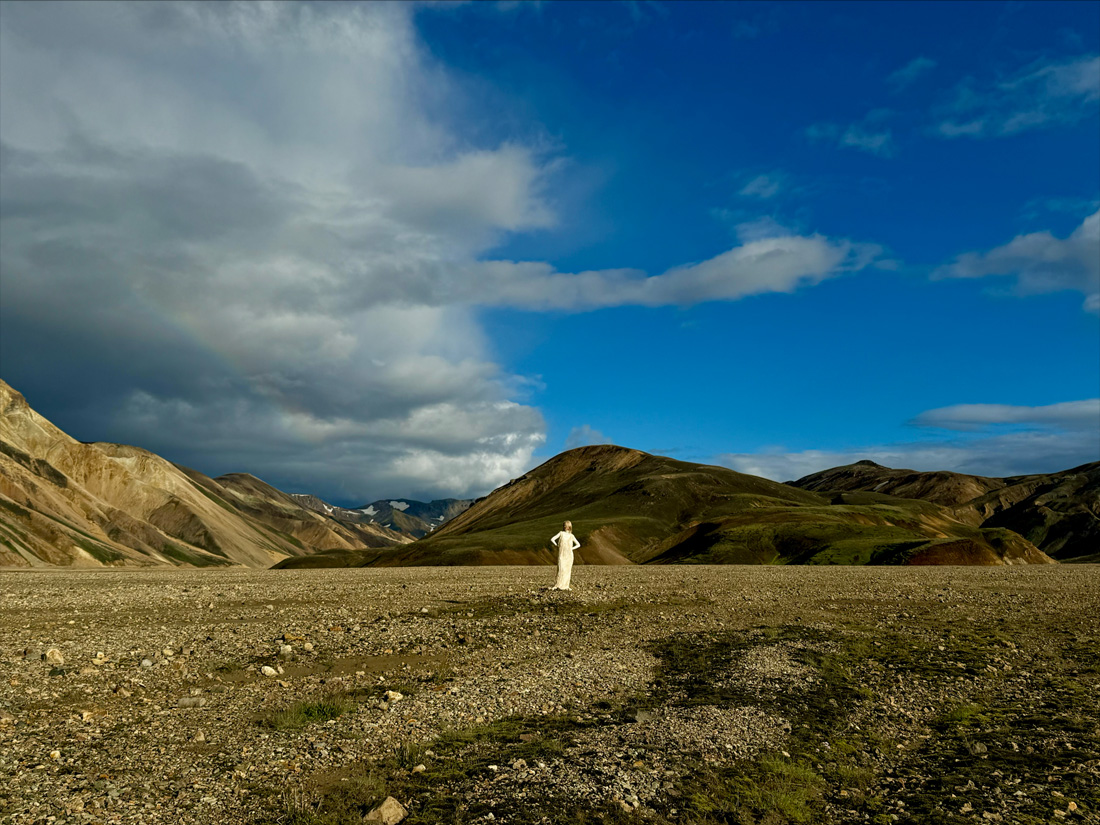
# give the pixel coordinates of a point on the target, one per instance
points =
(390, 812)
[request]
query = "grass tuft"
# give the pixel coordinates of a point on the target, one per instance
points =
(301, 714)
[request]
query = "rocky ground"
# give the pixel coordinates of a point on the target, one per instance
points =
(648, 694)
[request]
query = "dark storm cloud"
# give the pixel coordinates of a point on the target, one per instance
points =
(253, 236)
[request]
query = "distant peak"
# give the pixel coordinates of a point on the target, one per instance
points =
(866, 463)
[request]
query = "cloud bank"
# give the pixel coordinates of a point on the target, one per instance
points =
(1041, 262)
(256, 236)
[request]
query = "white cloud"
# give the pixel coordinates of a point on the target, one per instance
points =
(255, 236)
(766, 264)
(1041, 262)
(228, 224)
(1038, 96)
(1040, 439)
(584, 436)
(1068, 415)
(909, 73)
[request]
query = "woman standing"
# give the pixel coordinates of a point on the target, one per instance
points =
(566, 543)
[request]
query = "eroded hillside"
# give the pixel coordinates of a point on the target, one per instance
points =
(64, 502)
(630, 507)
(1058, 512)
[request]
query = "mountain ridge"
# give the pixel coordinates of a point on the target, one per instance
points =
(630, 507)
(67, 502)
(409, 517)
(1058, 512)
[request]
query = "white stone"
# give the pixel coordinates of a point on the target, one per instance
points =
(267, 670)
(390, 812)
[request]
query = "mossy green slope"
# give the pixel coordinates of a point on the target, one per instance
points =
(631, 507)
(1058, 512)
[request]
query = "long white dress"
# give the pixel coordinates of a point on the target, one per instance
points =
(566, 544)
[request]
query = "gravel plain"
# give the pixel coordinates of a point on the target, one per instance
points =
(141, 696)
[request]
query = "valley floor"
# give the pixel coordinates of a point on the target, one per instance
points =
(672, 694)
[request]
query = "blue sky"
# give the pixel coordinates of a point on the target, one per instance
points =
(413, 250)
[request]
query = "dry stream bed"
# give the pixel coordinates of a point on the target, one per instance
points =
(649, 694)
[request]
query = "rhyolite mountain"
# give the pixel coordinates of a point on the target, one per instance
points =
(1058, 512)
(64, 502)
(406, 516)
(629, 507)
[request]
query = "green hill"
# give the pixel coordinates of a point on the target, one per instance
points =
(1058, 512)
(629, 507)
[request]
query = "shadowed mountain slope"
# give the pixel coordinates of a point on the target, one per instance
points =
(63, 502)
(406, 516)
(631, 507)
(1057, 512)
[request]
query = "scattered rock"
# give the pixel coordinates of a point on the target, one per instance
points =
(390, 812)
(53, 657)
(268, 670)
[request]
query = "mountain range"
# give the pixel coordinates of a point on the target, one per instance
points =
(406, 516)
(64, 502)
(1058, 512)
(629, 507)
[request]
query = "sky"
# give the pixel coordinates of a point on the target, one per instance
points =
(413, 250)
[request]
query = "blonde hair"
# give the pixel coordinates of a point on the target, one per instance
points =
(568, 527)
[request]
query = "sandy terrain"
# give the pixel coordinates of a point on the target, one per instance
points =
(657, 694)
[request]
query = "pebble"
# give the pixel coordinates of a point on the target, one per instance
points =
(141, 759)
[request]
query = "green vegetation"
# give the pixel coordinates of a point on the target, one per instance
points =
(630, 507)
(12, 507)
(221, 502)
(846, 758)
(301, 714)
(99, 552)
(185, 556)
